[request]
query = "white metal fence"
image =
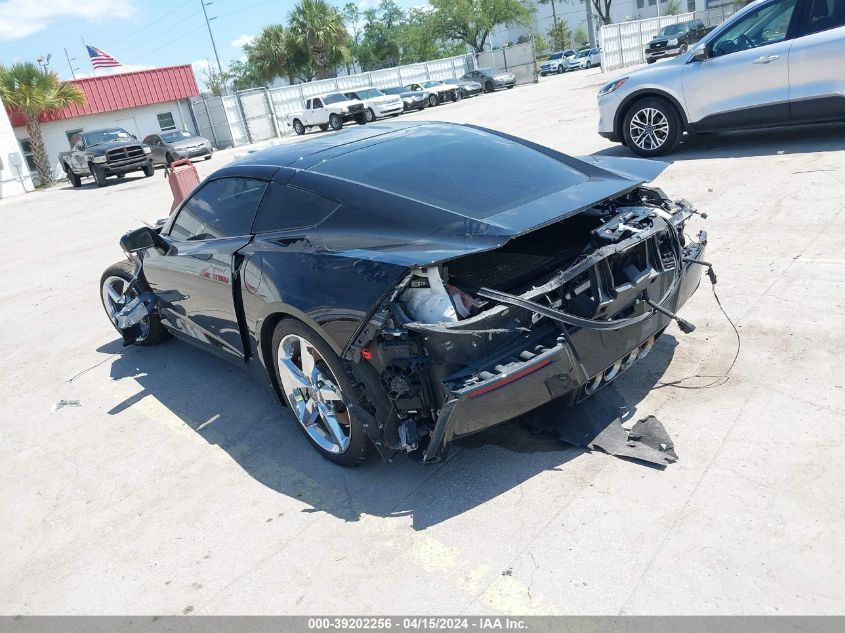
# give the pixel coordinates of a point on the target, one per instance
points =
(250, 116)
(623, 44)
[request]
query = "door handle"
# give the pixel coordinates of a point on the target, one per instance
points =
(766, 59)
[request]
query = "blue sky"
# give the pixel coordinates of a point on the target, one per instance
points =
(139, 33)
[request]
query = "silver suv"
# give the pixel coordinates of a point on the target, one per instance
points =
(774, 63)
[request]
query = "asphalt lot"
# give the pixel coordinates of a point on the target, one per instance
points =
(180, 486)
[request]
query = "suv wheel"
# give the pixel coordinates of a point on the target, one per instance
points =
(432, 100)
(335, 122)
(99, 175)
(559, 69)
(74, 179)
(370, 116)
(488, 87)
(651, 127)
(298, 127)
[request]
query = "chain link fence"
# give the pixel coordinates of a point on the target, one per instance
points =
(623, 44)
(519, 59)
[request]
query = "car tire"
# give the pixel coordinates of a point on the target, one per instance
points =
(99, 175)
(335, 122)
(542, 74)
(650, 61)
(298, 127)
(208, 157)
(348, 444)
(323, 126)
(665, 125)
(73, 177)
(119, 176)
(488, 87)
(153, 331)
(589, 64)
(361, 119)
(370, 116)
(432, 100)
(149, 170)
(560, 69)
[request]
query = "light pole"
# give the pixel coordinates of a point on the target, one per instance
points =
(44, 61)
(211, 35)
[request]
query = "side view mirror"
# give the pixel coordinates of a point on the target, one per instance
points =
(701, 53)
(138, 240)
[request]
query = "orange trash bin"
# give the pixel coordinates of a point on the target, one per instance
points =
(183, 179)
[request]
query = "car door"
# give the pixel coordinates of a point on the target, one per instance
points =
(744, 82)
(156, 148)
(78, 157)
(314, 115)
(816, 77)
(196, 277)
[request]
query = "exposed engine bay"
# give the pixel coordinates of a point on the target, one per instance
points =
(555, 313)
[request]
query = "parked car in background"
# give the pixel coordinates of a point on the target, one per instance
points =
(167, 147)
(491, 78)
(773, 63)
(411, 99)
(674, 39)
(340, 275)
(585, 58)
(103, 153)
(378, 104)
(467, 88)
(328, 111)
(557, 62)
(437, 91)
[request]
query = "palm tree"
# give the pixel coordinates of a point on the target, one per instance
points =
(317, 27)
(25, 88)
(270, 53)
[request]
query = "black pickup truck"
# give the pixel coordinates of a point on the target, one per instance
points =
(104, 153)
(675, 39)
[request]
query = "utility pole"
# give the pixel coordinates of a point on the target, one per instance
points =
(589, 5)
(44, 62)
(211, 35)
(70, 64)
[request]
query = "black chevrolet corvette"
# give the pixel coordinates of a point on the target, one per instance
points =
(401, 285)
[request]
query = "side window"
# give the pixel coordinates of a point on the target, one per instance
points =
(70, 134)
(766, 25)
(291, 208)
(316, 103)
(824, 15)
(220, 208)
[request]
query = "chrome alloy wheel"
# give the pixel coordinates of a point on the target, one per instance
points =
(313, 394)
(649, 129)
(114, 300)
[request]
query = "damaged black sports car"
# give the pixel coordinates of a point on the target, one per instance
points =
(402, 285)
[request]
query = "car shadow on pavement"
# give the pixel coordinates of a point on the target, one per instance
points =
(780, 141)
(230, 409)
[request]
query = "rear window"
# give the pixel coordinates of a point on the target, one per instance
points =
(474, 173)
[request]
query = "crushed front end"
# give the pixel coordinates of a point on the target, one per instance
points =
(556, 313)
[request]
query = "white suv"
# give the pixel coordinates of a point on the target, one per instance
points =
(328, 111)
(377, 103)
(774, 63)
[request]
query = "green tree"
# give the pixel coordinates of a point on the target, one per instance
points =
(421, 39)
(561, 36)
(602, 10)
(215, 81)
(472, 21)
(354, 23)
(673, 7)
(581, 38)
(243, 75)
(269, 54)
(317, 27)
(541, 46)
(554, 10)
(25, 88)
(382, 31)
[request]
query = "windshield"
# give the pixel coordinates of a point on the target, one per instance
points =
(583, 53)
(369, 93)
(398, 90)
(432, 84)
(334, 98)
(487, 71)
(106, 136)
(673, 29)
(555, 56)
(172, 137)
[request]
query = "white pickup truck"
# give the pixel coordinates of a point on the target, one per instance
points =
(328, 111)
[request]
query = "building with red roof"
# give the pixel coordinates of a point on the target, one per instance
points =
(143, 102)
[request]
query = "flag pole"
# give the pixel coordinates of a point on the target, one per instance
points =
(88, 55)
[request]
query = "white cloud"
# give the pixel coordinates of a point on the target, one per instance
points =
(243, 39)
(22, 18)
(125, 68)
(200, 66)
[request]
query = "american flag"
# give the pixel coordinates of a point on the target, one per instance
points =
(100, 58)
